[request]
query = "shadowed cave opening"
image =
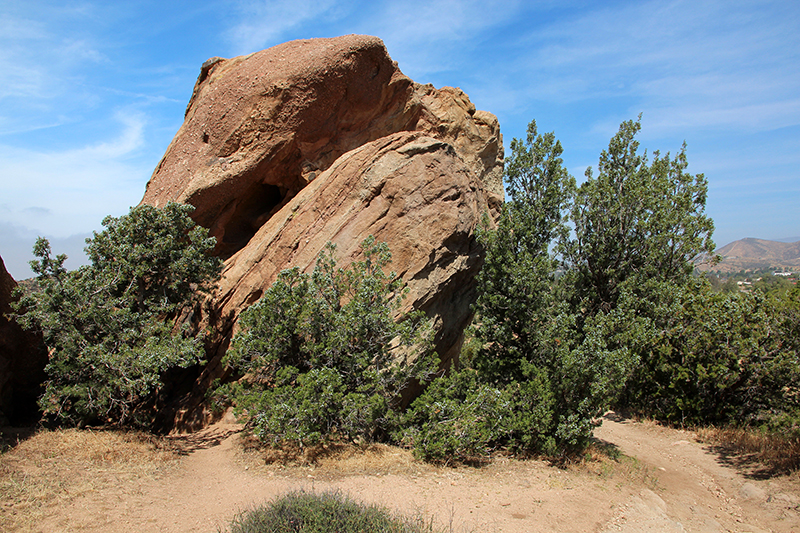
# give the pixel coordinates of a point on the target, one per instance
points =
(255, 208)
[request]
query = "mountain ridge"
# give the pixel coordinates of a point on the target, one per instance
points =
(753, 254)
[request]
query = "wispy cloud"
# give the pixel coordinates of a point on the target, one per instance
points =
(128, 141)
(706, 65)
(453, 21)
(426, 37)
(65, 192)
(264, 23)
(44, 63)
(433, 37)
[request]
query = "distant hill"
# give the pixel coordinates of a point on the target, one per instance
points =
(754, 254)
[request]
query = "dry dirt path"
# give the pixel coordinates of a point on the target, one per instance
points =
(695, 490)
(674, 484)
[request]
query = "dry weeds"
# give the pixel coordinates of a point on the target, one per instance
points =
(330, 461)
(753, 449)
(608, 463)
(50, 468)
(336, 461)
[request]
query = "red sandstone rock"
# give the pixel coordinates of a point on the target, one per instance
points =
(259, 128)
(406, 189)
(326, 140)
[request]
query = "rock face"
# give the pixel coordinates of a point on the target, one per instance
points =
(326, 140)
(259, 128)
(22, 362)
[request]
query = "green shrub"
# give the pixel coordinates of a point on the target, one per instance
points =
(109, 325)
(635, 221)
(624, 316)
(543, 370)
(322, 355)
(550, 408)
(328, 512)
(715, 357)
(457, 419)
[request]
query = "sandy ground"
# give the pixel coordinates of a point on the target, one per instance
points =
(663, 480)
(696, 488)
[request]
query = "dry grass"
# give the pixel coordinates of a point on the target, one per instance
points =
(331, 461)
(335, 461)
(751, 448)
(52, 468)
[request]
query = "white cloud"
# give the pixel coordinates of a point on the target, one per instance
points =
(129, 140)
(264, 23)
(45, 64)
(14, 28)
(424, 22)
(81, 51)
(430, 37)
(686, 65)
(66, 192)
(425, 36)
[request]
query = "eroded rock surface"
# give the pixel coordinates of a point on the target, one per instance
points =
(327, 140)
(259, 128)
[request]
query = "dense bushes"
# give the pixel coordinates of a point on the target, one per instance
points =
(322, 356)
(555, 351)
(719, 358)
(109, 325)
(586, 300)
(535, 383)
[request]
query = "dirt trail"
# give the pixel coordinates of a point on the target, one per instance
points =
(695, 489)
(675, 484)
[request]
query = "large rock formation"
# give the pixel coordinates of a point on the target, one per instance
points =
(259, 128)
(22, 362)
(326, 140)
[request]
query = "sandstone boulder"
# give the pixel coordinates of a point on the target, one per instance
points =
(22, 361)
(326, 140)
(259, 128)
(406, 189)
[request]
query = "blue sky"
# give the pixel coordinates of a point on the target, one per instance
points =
(93, 91)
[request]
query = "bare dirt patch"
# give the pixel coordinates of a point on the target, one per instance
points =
(643, 477)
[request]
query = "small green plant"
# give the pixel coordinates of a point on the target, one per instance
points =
(457, 419)
(327, 512)
(322, 356)
(109, 326)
